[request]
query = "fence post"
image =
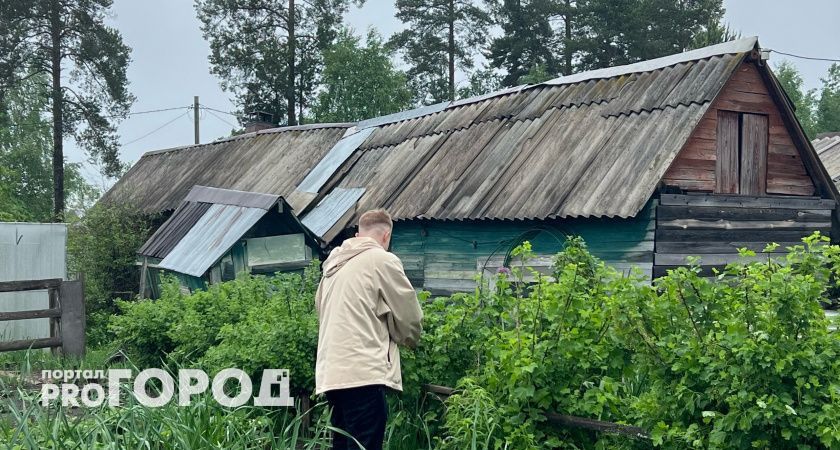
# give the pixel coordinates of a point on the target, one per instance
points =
(72, 303)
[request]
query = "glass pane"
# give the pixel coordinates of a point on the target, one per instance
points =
(276, 250)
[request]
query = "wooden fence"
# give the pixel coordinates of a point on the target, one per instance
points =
(66, 313)
(565, 421)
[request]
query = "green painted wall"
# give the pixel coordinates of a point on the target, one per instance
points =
(445, 256)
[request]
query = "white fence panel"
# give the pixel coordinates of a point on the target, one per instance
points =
(30, 251)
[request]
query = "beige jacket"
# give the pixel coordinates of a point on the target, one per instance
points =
(366, 306)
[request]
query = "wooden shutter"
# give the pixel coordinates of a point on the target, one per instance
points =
(754, 154)
(728, 158)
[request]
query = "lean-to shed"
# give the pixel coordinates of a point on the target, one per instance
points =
(697, 153)
(216, 234)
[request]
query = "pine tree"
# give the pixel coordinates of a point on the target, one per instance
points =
(268, 53)
(527, 39)
(66, 47)
(442, 37)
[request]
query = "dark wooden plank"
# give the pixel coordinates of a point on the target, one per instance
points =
(30, 343)
(29, 285)
(710, 259)
(766, 236)
(704, 247)
(34, 314)
(754, 138)
(727, 162)
(746, 201)
(714, 212)
(724, 224)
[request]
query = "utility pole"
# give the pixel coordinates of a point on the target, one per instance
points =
(195, 117)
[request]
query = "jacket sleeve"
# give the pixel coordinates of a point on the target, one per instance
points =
(405, 316)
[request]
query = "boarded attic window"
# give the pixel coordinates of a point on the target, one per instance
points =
(741, 166)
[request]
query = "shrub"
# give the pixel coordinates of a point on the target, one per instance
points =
(102, 246)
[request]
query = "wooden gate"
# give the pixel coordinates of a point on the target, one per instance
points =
(66, 313)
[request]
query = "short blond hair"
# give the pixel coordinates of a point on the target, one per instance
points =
(375, 218)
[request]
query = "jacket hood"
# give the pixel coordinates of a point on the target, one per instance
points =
(349, 249)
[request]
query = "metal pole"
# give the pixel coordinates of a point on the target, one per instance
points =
(195, 117)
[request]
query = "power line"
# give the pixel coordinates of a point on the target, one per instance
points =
(219, 111)
(137, 113)
(156, 129)
(804, 57)
(219, 117)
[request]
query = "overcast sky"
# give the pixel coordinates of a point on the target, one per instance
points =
(169, 60)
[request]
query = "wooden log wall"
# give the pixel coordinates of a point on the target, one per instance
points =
(714, 227)
(745, 92)
(445, 257)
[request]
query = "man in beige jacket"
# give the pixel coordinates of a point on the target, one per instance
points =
(366, 307)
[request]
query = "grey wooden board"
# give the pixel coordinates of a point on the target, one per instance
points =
(746, 201)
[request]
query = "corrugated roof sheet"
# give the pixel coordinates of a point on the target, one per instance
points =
(194, 207)
(210, 238)
(331, 209)
(827, 146)
(269, 161)
(337, 155)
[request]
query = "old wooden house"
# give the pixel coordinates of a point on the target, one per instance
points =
(697, 153)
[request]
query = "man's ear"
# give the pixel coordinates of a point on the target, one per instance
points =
(357, 234)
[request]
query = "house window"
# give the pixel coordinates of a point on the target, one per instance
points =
(741, 153)
(269, 254)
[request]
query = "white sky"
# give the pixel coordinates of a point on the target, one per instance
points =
(169, 60)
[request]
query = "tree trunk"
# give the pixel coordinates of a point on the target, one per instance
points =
(58, 119)
(290, 89)
(451, 48)
(567, 49)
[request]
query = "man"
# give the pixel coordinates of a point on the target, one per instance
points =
(366, 307)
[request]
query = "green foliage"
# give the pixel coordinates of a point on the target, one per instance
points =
(102, 246)
(804, 102)
(746, 360)
(536, 74)
(359, 81)
(78, 65)
(26, 185)
(528, 39)
(440, 38)
(253, 323)
(828, 107)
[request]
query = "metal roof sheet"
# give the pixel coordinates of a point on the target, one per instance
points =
(231, 197)
(210, 238)
(339, 153)
(331, 209)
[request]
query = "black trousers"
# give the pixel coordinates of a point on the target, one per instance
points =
(361, 412)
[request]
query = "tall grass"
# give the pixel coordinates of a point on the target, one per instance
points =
(204, 424)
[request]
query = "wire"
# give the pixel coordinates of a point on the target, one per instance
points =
(150, 111)
(804, 57)
(220, 118)
(156, 129)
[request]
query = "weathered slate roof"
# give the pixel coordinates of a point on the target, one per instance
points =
(269, 161)
(827, 146)
(591, 144)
